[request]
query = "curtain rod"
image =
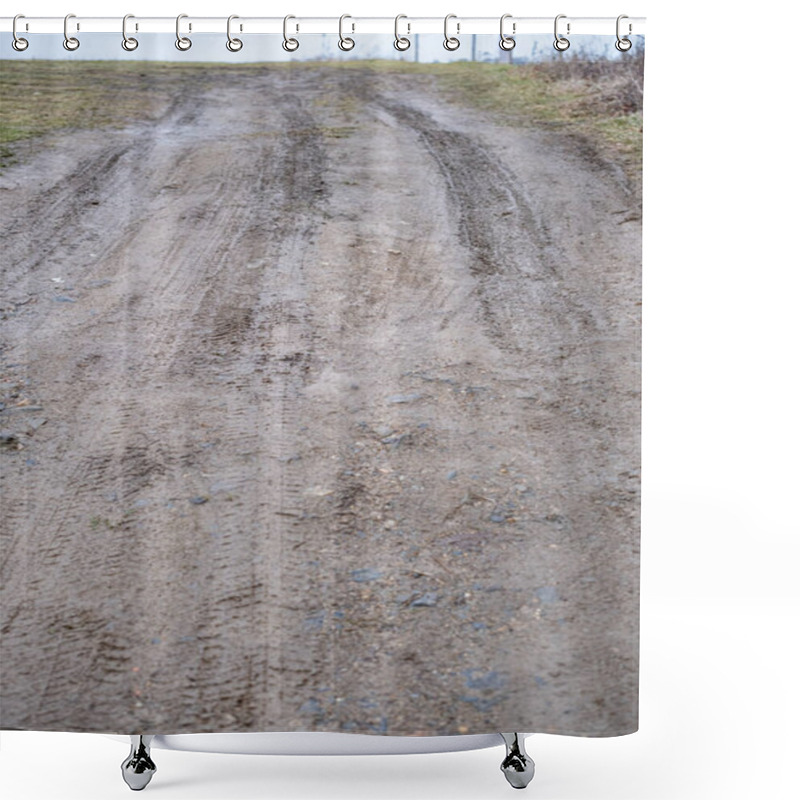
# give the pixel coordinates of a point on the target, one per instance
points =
(331, 25)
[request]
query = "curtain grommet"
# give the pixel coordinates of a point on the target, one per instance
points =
(71, 43)
(289, 44)
(233, 44)
(401, 43)
(18, 43)
(507, 43)
(623, 43)
(451, 43)
(561, 43)
(128, 42)
(183, 43)
(346, 43)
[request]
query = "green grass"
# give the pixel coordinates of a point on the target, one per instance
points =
(598, 101)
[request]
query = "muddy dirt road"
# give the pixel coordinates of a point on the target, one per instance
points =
(321, 413)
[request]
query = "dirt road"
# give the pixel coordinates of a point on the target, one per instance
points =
(321, 413)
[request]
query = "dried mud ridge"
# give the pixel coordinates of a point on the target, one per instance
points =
(320, 413)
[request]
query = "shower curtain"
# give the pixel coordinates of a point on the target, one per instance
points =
(320, 381)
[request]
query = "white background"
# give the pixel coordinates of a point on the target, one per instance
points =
(720, 599)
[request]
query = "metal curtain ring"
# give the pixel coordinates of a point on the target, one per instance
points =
(181, 42)
(451, 42)
(401, 42)
(289, 44)
(70, 42)
(19, 44)
(561, 43)
(623, 44)
(128, 42)
(345, 42)
(234, 45)
(507, 42)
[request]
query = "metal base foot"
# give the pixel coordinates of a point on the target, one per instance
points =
(138, 768)
(517, 766)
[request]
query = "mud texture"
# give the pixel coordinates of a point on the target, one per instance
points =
(321, 412)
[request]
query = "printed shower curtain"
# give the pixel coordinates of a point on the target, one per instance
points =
(320, 381)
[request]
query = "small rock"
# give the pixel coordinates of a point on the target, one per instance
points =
(21, 407)
(364, 575)
(312, 706)
(318, 491)
(403, 398)
(199, 500)
(452, 474)
(396, 440)
(62, 298)
(547, 594)
(8, 441)
(426, 600)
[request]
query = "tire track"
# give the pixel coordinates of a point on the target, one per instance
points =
(509, 244)
(112, 461)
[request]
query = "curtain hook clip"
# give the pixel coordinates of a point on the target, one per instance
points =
(345, 42)
(182, 42)
(561, 43)
(451, 42)
(234, 45)
(507, 42)
(623, 43)
(70, 42)
(19, 44)
(128, 42)
(401, 43)
(289, 44)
